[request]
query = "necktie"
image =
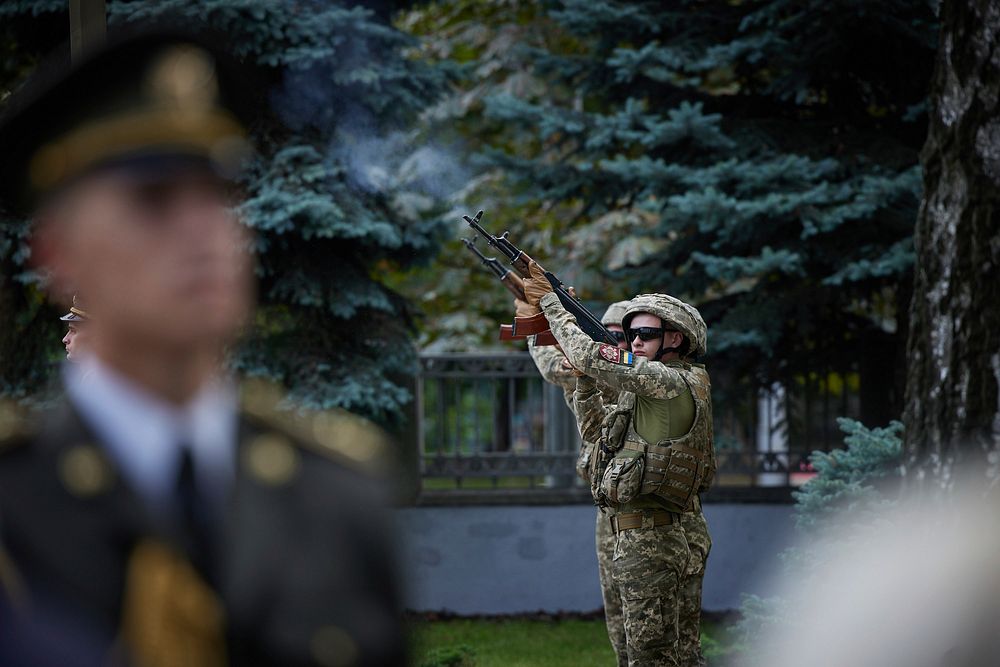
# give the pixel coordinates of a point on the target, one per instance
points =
(193, 514)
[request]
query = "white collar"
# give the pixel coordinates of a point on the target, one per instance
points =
(143, 434)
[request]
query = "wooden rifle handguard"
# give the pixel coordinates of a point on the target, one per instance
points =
(542, 338)
(529, 326)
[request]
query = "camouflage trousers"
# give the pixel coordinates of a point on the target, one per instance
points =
(605, 539)
(689, 613)
(649, 568)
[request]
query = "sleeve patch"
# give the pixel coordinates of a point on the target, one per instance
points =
(616, 355)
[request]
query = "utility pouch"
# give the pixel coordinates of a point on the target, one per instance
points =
(674, 472)
(612, 439)
(622, 480)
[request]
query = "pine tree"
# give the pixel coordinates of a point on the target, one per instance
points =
(855, 487)
(334, 194)
(759, 159)
(855, 481)
(484, 42)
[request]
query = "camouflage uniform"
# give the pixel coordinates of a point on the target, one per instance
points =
(551, 365)
(604, 536)
(689, 614)
(647, 485)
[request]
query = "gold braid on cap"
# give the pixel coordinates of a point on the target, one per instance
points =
(76, 309)
(179, 112)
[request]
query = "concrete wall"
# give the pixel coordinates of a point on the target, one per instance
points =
(511, 559)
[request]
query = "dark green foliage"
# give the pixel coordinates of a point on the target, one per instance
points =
(851, 480)
(758, 614)
(769, 150)
(335, 194)
(852, 486)
(758, 158)
(29, 337)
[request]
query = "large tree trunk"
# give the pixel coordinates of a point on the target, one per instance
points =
(952, 410)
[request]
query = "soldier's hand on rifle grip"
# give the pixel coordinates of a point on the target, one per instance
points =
(537, 285)
(523, 309)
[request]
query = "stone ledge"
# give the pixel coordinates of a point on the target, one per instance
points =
(457, 497)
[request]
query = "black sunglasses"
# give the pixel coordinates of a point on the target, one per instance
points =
(618, 336)
(646, 333)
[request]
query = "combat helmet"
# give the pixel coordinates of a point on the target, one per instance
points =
(674, 312)
(614, 313)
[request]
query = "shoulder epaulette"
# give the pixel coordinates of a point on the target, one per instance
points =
(336, 434)
(16, 426)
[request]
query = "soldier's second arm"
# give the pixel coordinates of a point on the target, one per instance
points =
(551, 364)
(590, 409)
(549, 360)
(639, 376)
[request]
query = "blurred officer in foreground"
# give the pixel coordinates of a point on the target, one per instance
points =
(556, 369)
(149, 520)
(76, 331)
(654, 453)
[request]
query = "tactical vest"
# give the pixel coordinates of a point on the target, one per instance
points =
(674, 470)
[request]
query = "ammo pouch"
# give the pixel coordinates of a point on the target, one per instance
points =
(673, 472)
(623, 478)
(612, 439)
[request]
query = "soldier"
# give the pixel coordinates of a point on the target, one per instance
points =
(689, 611)
(655, 453)
(75, 338)
(556, 369)
(148, 519)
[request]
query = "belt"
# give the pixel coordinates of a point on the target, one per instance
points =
(633, 520)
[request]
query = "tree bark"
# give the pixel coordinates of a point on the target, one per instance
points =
(952, 412)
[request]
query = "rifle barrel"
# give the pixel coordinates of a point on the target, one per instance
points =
(518, 259)
(504, 275)
(589, 323)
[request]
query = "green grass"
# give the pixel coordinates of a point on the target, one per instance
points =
(527, 643)
(514, 642)
(719, 641)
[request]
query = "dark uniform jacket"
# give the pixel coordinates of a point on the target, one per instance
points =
(301, 566)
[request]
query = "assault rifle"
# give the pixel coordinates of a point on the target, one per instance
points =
(509, 279)
(520, 261)
(514, 285)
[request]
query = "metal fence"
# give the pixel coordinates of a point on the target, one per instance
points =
(489, 422)
(489, 429)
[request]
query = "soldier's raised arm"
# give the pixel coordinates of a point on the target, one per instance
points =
(554, 369)
(552, 365)
(617, 368)
(590, 408)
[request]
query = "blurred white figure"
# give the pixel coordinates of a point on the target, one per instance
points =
(917, 587)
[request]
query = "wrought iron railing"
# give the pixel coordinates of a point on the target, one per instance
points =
(489, 422)
(490, 428)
